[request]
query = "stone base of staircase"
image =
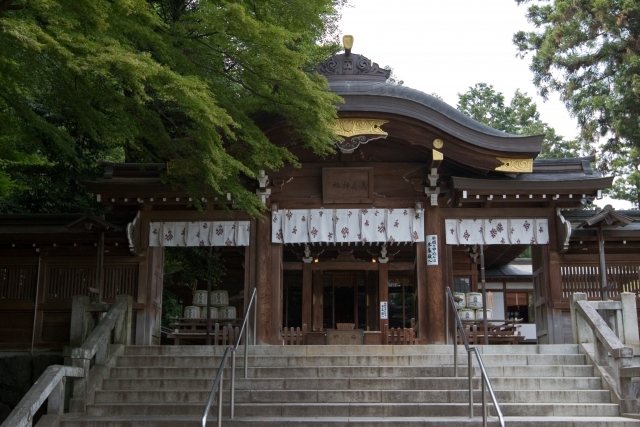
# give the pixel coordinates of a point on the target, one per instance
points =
(545, 385)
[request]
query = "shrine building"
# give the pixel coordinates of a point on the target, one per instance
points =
(414, 196)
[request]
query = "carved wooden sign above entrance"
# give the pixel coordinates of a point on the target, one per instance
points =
(357, 132)
(347, 185)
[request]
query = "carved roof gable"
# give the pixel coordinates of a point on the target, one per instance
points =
(352, 66)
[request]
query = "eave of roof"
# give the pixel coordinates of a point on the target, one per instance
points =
(567, 183)
(385, 97)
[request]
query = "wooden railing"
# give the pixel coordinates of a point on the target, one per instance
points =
(294, 336)
(65, 282)
(586, 279)
(399, 336)
(18, 282)
(195, 330)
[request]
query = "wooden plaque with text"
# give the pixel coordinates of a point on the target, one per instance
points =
(347, 185)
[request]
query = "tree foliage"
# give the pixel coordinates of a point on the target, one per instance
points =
(192, 264)
(158, 80)
(392, 77)
(521, 117)
(627, 167)
(589, 52)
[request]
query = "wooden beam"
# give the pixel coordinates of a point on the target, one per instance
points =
(347, 266)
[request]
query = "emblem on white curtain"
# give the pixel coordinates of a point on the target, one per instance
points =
(199, 233)
(347, 226)
(527, 231)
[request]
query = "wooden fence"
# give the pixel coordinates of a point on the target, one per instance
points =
(586, 278)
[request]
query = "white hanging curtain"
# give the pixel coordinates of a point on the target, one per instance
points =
(373, 226)
(533, 231)
(320, 226)
(199, 233)
(347, 226)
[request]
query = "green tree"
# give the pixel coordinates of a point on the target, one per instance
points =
(521, 117)
(392, 77)
(627, 166)
(588, 52)
(157, 80)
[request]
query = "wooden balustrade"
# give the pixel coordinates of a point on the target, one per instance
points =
(195, 330)
(294, 336)
(399, 336)
(586, 279)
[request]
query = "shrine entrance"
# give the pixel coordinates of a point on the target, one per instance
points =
(349, 297)
(342, 287)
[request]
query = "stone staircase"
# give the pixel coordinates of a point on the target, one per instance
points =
(339, 385)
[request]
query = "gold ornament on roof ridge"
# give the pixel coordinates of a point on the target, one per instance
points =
(515, 165)
(437, 155)
(347, 42)
(351, 127)
(438, 143)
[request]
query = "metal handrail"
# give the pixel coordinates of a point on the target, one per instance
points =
(485, 383)
(217, 383)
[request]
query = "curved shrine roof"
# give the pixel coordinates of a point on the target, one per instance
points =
(363, 86)
(396, 99)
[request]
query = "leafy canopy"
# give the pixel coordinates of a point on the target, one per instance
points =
(520, 117)
(589, 52)
(157, 80)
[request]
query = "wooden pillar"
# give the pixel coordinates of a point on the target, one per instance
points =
(307, 296)
(373, 305)
(447, 275)
(317, 301)
(150, 294)
(435, 283)
(276, 294)
(141, 239)
(555, 288)
(383, 294)
(548, 290)
(421, 289)
(262, 268)
(154, 301)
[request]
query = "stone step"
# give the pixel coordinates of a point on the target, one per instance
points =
(337, 350)
(302, 361)
(357, 372)
(352, 396)
(357, 409)
(133, 421)
(362, 383)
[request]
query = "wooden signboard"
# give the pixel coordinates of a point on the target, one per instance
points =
(347, 185)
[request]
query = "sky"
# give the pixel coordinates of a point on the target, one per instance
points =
(445, 47)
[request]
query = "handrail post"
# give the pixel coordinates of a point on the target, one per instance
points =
(483, 384)
(255, 315)
(484, 377)
(447, 330)
(220, 374)
(455, 350)
(470, 364)
(220, 398)
(233, 384)
(246, 356)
